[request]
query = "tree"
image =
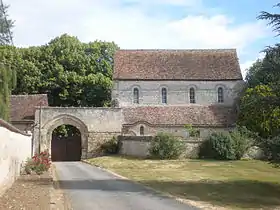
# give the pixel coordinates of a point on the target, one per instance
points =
(72, 73)
(272, 18)
(257, 114)
(260, 106)
(7, 82)
(6, 25)
(7, 75)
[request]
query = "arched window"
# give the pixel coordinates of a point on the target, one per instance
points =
(164, 95)
(141, 130)
(220, 95)
(192, 96)
(136, 96)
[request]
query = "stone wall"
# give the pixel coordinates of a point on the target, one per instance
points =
(95, 141)
(138, 146)
(95, 124)
(179, 131)
(206, 92)
(15, 148)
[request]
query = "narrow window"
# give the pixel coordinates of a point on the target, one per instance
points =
(220, 95)
(192, 96)
(164, 95)
(141, 130)
(136, 96)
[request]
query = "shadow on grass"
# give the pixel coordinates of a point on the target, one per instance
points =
(240, 194)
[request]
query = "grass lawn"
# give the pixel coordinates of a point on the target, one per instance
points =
(231, 184)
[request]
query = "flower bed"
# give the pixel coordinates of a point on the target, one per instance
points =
(39, 163)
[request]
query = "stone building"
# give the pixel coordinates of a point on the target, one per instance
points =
(23, 108)
(154, 90)
(162, 90)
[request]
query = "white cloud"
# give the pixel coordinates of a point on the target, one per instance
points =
(130, 27)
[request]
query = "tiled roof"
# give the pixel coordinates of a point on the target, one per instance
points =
(215, 115)
(23, 106)
(207, 64)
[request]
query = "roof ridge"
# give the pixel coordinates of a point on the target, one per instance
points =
(191, 49)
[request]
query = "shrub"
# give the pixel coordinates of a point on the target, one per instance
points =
(242, 143)
(38, 163)
(193, 132)
(226, 146)
(166, 146)
(218, 146)
(111, 146)
(271, 148)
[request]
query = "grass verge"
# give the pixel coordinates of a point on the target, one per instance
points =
(244, 184)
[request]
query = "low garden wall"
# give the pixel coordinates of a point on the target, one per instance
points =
(15, 148)
(138, 146)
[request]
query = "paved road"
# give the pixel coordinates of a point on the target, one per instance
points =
(91, 188)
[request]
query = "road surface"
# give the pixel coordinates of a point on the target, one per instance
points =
(91, 188)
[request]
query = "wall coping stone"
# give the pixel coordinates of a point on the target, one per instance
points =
(12, 128)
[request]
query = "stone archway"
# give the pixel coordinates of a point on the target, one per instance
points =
(48, 128)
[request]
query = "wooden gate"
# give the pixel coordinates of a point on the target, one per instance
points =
(66, 148)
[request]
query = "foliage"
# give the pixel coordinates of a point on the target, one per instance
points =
(111, 146)
(255, 74)
(6, 25)
(166, 146)
(273, 19)
(66, 131)
(72, 73)
(218, 146)
(260, 106)
(39, 163)
(271, 148)
(242, 141)
(226, 146)
(257, 114)
(7, 82)
(193, 132)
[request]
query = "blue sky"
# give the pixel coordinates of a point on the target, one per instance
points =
(148, 24)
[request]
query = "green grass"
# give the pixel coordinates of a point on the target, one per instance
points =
(231, 184)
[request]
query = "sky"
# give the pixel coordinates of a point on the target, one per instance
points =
(148, 24)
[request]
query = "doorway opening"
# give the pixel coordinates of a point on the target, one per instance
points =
(66, 143)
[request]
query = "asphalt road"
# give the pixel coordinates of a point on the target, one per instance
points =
(91, 188)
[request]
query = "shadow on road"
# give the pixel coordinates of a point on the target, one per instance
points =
(240, 194)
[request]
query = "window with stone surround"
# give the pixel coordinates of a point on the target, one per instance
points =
(164, 95)
(136, 95)
(192, 95)
(220, 95)
(141, 130)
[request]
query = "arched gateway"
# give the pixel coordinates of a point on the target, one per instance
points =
(66, 119)
(96, 125)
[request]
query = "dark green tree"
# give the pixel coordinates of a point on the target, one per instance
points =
(7, 75)
(72, 73)
(7, 82)
(6, 25)
(272, 18)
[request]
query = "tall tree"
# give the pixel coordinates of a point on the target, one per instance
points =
(7, 82)
(72, 73)
(7, 75)
(6, 25)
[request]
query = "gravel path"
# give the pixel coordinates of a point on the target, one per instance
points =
(29, 192)
(89, 187)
